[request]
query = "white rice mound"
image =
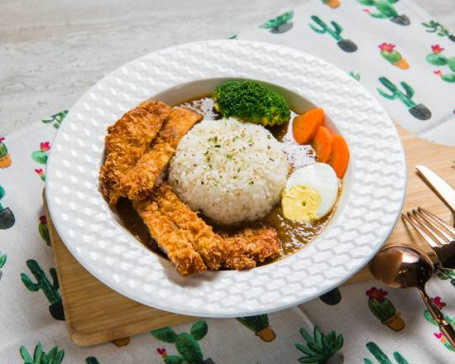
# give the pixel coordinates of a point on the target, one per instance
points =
(229, 170)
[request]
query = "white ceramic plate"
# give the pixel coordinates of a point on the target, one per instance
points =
(369, 207)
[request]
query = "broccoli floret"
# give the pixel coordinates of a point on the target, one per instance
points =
(252, 102)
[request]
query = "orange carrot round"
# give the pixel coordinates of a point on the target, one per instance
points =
(305, 126)
(322, 144)
(340, 155)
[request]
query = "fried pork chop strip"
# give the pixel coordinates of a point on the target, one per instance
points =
(249, 246)
(240, 251)
(172, 240)
(139, 182)
(204, 240)
(126, 142)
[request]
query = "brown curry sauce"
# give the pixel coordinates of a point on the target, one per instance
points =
(293, 234)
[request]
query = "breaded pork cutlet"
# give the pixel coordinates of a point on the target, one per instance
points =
(204, 240)
(126, 142)
(191, 244)
(242, 250)
(170, 238)
(248, 247)
(139, 181)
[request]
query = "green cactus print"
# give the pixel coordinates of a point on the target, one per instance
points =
(427, 315)
(280, 24)
(431, 320)
(354, 75)
(3, 148)
(419, 111)
(436, 27)
(440, 336)
(321, 348)
(437, 59)
(384, 309)
(7, 218)
(44, 230)
(40, 156)
(51, 291)
(56, 119)
(332, 3)
(386, 10)
(233, 36)
(91, 360)
(390, 54)
(381, 357)
(54, 356)
(3, 258)
(186, 344)
(446, 274)
(5, 159)
(259, 325)
(334, 31)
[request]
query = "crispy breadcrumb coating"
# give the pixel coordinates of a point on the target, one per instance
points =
(139, 181)
(172, 240)
(126, 142)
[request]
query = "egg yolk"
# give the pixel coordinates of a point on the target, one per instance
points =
(301, 203)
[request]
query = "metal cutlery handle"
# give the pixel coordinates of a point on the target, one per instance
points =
(444, 191)
(444, 326)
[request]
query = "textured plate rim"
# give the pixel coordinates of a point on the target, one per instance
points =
(52, 192)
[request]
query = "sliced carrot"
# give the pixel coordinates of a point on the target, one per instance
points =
(322, 144)
(340, 155)
(305, 126)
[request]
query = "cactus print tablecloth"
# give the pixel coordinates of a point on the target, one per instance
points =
(393, 48)
(404, 57)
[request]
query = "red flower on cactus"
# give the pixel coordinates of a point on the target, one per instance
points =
(366, 11)
(376, 294)
(436, 48)
(388, 47)
(44, 146)
(438, 335)
(43, 219)
(438, 302)
(438, 73)
(162, 352)
(2, 139)
(39, 171)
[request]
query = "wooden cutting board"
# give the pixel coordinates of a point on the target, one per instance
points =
(95, 313)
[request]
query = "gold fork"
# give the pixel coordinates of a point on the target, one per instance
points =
(438, 234)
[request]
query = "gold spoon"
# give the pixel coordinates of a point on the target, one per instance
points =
(401, 266)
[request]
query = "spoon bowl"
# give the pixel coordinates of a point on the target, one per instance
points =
(402, 267)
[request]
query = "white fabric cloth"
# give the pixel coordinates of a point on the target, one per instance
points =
(412, 41)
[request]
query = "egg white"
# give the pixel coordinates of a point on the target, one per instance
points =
(323, 179)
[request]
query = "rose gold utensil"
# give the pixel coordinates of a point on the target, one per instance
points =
(401, 266)
(438, 234)
(441, 188)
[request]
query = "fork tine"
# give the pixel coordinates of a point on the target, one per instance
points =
(430, 228)
(436, 228)
(440, 221)
(431, 242)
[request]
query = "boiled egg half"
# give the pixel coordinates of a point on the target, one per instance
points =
(311, 192)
